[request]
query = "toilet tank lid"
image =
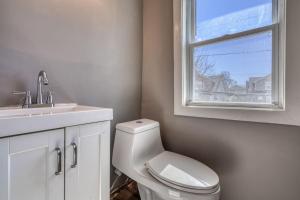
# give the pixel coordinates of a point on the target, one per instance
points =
(137, 126)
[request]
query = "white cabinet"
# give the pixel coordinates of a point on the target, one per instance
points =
(28, 164)
(65, 164)
(87, 162)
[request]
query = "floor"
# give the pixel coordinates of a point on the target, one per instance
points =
(128, 192)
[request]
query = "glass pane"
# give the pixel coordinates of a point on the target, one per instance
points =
(234, 71)
(215, 18)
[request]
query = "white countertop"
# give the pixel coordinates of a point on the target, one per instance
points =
(15, 120)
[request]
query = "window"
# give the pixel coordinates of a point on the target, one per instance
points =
(232, 54)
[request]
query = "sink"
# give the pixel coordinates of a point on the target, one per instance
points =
(13, 112)
(16, 120)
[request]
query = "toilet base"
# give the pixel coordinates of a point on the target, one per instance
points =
(147, 194)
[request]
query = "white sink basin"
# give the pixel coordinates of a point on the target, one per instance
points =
(12, 112)
(15, 120)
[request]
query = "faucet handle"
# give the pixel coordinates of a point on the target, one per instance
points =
(49, 99)
(19, 92)
(27, 100)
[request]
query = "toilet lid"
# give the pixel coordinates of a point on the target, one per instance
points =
(182, 171)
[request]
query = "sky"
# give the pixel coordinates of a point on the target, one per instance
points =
(243, 58)
(208, 9)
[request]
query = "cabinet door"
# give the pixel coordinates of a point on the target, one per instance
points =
(28, 165)
(88, 162)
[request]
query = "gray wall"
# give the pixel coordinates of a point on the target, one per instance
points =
(255, 161)
(91, 50)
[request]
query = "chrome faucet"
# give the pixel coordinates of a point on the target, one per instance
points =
(42, 79)
(40, 102)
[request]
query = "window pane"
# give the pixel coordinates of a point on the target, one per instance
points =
(234, 71)
(215, 18)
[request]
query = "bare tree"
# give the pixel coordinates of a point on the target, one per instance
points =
(203, 66)
(228, 80)
(206, 68)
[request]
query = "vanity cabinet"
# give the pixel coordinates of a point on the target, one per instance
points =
(65, 164)
(28, 165)
(87, 162)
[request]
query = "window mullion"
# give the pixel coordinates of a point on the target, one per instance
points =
(233, 36)
(275, 65)
(192, 34)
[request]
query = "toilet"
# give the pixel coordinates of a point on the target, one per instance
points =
(161, 175)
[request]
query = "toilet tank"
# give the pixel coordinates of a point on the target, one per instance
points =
(135, 143)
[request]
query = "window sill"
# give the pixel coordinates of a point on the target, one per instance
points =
(266, 115)
(234, 106)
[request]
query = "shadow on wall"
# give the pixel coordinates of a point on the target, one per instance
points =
(245, 155)
(209, 147)
(179, 139)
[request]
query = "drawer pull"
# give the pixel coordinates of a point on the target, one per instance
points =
(59, 161)
(74, 165)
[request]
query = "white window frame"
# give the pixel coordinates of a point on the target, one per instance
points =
(182, 70)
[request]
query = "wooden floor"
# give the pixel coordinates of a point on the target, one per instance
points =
(128, 192)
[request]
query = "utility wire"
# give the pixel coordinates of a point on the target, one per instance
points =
(235, 53)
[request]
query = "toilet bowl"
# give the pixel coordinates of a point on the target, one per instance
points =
(161, 175)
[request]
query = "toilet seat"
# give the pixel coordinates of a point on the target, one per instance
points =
(183, 173)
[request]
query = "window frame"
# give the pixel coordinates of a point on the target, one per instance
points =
(280, 115)
(278, 57)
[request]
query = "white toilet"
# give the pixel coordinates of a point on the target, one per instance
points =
(160, 174)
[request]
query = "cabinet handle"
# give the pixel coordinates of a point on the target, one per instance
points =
(74, 165)
(59, 161)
